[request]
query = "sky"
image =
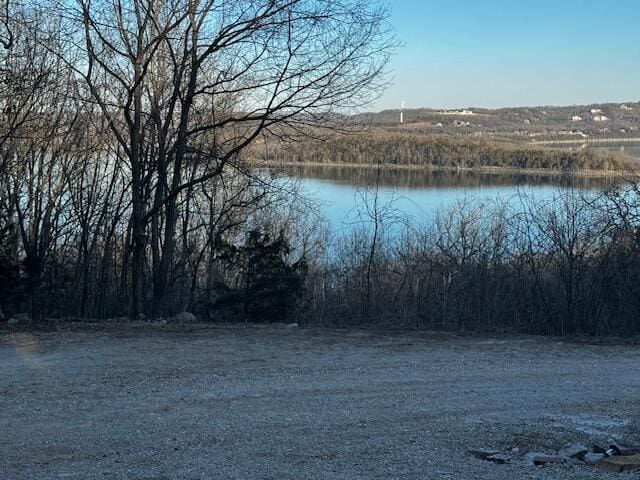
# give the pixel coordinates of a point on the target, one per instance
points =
(494, 53)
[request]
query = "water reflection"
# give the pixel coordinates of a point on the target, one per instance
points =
(419, 194)
(410, 178)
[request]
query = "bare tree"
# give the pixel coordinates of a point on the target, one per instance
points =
(6, 35)
(184, 83)
(38, 139)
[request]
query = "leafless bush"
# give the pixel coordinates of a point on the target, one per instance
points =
(566, 266)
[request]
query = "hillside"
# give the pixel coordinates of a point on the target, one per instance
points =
(380, 146)
(611, 120)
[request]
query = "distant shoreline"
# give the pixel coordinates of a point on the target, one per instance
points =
(587, 140)
(493, 170)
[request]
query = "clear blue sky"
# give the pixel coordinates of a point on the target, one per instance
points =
(490, 53)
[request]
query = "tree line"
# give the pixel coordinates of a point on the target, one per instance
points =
(384, 148)
(125, 178)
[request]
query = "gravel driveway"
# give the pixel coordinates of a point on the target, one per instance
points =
(199, 402)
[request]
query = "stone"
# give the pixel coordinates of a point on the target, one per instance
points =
(20, 318)
(141, 317)
(593, 458)
(599, 449)
(498, 458)
(483, 453)
(548, 460)
(628, 451)
(184, 317)
(620, 463)
(622, 449)
(292, 325)
(573, 450)
(528, 458)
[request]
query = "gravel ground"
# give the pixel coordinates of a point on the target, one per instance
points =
(246, 402)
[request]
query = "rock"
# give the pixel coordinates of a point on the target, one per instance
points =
(292, 325)
(23, 318)
(573, 450)
(548, 460)
(622, 449)
(593, 458)
(184, 317)
(498, 458)
(20, 318)
(141, 317)
(627, 451)
(483, 453)
(528, 458)
(620, 463)
(599, 449)
(490, 455)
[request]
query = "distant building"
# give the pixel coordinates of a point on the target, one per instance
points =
(576, 118)
(625, 107)
(457, 112)
(600, 118)
(595, 111)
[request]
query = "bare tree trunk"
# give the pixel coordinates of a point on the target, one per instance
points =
(139, 241)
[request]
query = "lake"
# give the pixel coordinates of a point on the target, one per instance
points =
(419, 194)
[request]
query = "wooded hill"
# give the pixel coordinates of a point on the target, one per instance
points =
(379, 147)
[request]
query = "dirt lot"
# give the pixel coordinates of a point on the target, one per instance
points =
(197, 402)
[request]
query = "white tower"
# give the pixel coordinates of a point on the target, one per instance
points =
(402, 113)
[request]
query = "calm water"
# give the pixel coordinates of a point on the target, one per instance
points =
(418, 194)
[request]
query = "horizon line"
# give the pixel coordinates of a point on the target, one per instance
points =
(470, 107)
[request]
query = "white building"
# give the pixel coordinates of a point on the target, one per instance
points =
(457, 112)
(600, 118)
(595, 111)
(576, 118)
